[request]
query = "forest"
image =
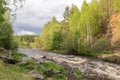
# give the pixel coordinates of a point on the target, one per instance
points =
(25, 41)
(89, 35)
(83, 31)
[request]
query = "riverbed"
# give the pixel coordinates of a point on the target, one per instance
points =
(92, 68)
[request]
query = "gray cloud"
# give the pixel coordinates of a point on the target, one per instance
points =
(35, 13)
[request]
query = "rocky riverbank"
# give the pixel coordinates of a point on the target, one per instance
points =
(42, 68)
(92, 69)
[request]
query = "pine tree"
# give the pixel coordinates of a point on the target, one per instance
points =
(66, 14)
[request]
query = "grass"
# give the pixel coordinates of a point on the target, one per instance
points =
(78, 72)
(18, 56)
(53, 66)
(15, 55)
(42, 68)
(106, 55)
(21, 72)
(115, 58)
(13, 73)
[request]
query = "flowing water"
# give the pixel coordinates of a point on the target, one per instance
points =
(94, 69)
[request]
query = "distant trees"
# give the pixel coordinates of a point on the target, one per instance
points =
(25, 41)
(82, 30)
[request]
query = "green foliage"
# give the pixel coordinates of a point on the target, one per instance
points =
(52, 36)
(102, 44)
(3, 10)
(25, 41)
(66, 14)
(74, 28)
(78, 72)
(6, 32)
(82, 31)
(117, 5)
(53, 66)
(13, 73)
(31, 62)
(37, 42)
(18, 56)
(6, 36)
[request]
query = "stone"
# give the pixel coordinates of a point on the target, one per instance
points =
(51, 72)
(26, 58)
(2, 49)
(31, 67)
(8, 60)
(37, 75)
(24, 63)
(40, 61)
(50, 79)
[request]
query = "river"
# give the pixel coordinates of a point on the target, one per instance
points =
(90, 67)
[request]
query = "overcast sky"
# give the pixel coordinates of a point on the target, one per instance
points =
(35, 13)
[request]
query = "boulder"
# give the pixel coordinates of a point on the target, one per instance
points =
(37, 75)
(51, 72)
(2, 49)
(8, 60)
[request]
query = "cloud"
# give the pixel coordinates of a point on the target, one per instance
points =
(26, 33)
(35, 13)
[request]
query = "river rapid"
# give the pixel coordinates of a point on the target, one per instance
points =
(91, 68)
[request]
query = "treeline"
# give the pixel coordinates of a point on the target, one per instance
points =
(82, 31)
(25, 41)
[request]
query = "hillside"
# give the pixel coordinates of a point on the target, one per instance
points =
(113, 31)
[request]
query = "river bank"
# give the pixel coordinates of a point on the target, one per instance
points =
(95, 70)
(19, 67)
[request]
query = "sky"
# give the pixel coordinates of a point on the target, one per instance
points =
(35, 13)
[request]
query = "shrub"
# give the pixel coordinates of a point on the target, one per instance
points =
(102, 44)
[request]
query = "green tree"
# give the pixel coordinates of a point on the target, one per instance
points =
(6, 36)
(74, 28)
(81, 30)
(6, 32)
(66, 14)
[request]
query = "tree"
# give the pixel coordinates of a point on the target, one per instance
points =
(66, 14)
(74, 27)
(81, 30)
(6, 36)
(6, 32)
(3, 10)
(116, 3)
(84, 23)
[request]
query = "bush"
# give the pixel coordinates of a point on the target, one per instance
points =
(102, 44)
